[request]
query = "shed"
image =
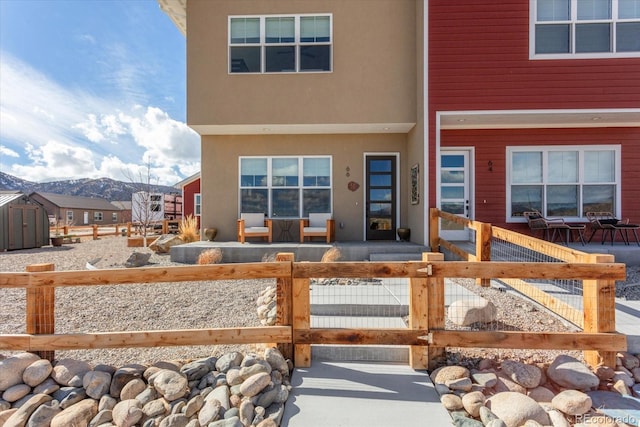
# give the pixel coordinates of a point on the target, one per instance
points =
(23, 222)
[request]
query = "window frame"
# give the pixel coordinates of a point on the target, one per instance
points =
(263, 44)
(69, 215)
(300, 187)
(572, 22)
(197, 204)
(545, 150)
(114, 216)
(98, 216)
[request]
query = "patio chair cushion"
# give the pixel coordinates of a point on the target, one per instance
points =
(253, 220)
(318, 220)
(609, 221)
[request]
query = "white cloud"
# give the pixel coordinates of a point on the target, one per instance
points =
(6, 151)
(67, 133)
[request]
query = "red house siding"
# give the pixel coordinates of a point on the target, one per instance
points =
(479, 59)
(189, 191)
(490, 145)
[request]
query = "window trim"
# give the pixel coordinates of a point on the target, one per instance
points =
(69, 216)
(263, 44)
(301, 187)
(98, 216)
(197, 204)
(581, 149)
(572, 23)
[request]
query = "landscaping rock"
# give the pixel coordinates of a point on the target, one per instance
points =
(468, 311)
(568, 372)
(12, 368)
(516, 408)
(572, 402)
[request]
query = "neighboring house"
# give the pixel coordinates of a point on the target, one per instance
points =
(378, 110)
(75, 210)
(190, 188)
(124, 206)
(152, 207)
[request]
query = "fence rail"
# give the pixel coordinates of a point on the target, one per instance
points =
(127, 229)
(293, 333)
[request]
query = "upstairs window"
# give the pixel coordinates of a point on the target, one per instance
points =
(585, 28)
(280, 44)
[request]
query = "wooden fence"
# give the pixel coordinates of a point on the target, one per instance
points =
(126, 229)
(293, 333)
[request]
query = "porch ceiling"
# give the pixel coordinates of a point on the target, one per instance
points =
(518, 119)
(302, 129)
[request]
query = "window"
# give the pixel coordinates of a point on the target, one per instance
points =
(69, 217)
(155, 202)
(114, 217)
(280, 44)
(585, 28)
(196, 204)
(97, 216)
(563, 181)
(285, 187)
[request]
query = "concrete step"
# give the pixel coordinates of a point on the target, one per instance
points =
(396, 256)
(361, 353)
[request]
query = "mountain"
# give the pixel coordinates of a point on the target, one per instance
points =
(104, 188)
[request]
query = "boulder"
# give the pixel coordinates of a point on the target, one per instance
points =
(466, 312)
(516, 408)
(12, 368)
(569, 372)
(163, 244)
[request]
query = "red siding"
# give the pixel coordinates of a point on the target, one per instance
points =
(189, 191)
(490, 146)
(479, 59)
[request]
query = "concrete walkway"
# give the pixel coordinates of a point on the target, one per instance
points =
(355, 394)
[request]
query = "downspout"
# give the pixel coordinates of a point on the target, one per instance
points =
(425, 118)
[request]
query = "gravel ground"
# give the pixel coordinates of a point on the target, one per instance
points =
(212, 304)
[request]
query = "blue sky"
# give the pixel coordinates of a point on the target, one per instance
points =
(93, 88)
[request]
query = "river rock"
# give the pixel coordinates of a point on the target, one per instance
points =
(171, 385)
(472, 403)
(628, 360)
(44, 414)
(70, 372)
(468, 311)
(484, 379)
(276, 360)
(460, 384)
(127, 413)
(48, 386)
(137, 259)
(505, 383)
(16, 392)
(528, 376)
(569, 372)
(196, 369)
(68, 396)
(132, 389)
(516, 408)
(210, 411)
(37, 372)
(194, 405)
(229, 360)
(79, 414)
(155, 408)
(541, 394)
(451, 402)
(121, 377)
(558, 419)
(222, 394)
(20, 417)
(444, 373)
(12, 368)
(102, 417)
(255, 384)
(572, 402)
(175, 420)
(96, 383)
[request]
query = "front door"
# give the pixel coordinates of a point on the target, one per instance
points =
(381, 197)
(454, 192)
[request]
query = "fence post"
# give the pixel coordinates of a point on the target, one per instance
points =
(418, 318)
(95, 231)
(599, 311)
(434, 230)
(65, 230)
(128, 229)
(165, 226)
(41, 309)
(284, 314)
(301, 320)
(435, 307)
(483, 250)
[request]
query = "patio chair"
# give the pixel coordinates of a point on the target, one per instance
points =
(254, 225)
(608, 224)
(318, 225)
(552, 228)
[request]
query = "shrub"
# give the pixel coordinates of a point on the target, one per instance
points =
(210, 256)
(331, 255)
(188, 229)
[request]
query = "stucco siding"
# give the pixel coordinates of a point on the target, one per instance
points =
(220, 206)
(372, 81)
